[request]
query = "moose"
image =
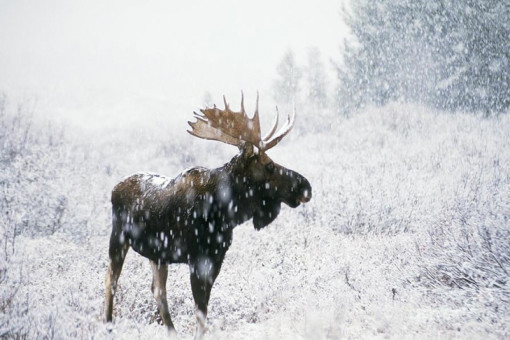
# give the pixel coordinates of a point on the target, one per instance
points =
(190, 219)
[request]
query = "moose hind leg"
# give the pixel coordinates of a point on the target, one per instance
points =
(118, 250)
(160, 274)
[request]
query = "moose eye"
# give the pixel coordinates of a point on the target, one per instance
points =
(270, 167)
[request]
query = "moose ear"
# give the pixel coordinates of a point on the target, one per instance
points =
(246, 150)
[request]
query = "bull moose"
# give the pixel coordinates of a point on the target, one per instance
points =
(190, 219)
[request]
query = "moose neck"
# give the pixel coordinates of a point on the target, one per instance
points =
(234, 196)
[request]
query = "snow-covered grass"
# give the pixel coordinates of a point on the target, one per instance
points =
(407, 234)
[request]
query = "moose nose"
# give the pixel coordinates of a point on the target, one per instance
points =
(306, 191)
(306, 195)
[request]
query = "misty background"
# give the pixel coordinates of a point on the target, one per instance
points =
(99, 63)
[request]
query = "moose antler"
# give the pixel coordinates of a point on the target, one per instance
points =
(236, 128)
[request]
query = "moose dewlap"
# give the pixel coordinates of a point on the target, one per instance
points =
(190, 219)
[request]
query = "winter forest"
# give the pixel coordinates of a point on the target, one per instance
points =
(402, 129)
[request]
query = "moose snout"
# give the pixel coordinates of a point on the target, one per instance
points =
(299, 192)
(306, 195)
(305, 190)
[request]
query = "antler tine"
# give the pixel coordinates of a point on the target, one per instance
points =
(273, 129)
(255, 125)
(242, 102)
(281, 133)
(225, 101)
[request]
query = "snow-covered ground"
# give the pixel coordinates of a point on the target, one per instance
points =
(407, 234)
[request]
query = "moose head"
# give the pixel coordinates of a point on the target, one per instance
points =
(190, 219)
(263, 183)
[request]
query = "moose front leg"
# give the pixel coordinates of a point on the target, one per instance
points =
(203, 274)
(160, 274)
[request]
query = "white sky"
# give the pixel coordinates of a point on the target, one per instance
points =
(96, 61)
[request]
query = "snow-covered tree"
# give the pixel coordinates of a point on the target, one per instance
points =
(449, 54)
(474, 37)
(316, 82)
(286, 87)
